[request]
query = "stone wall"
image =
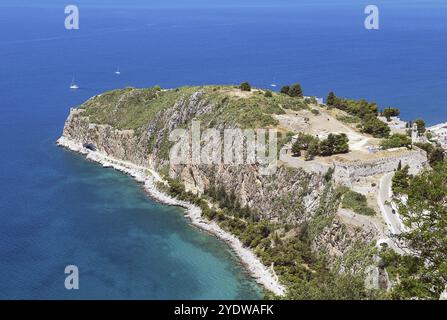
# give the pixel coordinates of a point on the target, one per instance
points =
(347, 173)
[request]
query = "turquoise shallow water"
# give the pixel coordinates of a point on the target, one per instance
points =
(124, 244)
(58, 209)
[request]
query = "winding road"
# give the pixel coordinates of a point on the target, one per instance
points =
(391, 218)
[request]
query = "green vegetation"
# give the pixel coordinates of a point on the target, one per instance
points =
(421, 126)
(330, 101)
(285, 90)
(134, 108)
(268, 94)
(254, 111)
(334, 144)
(311, 100)
(357, 202)
(315, 112)
(305, 274)
(400, 179)
(360, 108)
(348, 119)
(423, 272)
(435, 152)
(396, 141)
(131, 108)
(375, 127)
(329, 173)
(245, 86)
(302, 143)
(366, 111)
(390, 112)
(294, 91)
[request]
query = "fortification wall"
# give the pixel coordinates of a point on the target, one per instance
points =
(347, 173)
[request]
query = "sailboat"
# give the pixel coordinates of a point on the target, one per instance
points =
(73, 85)
(273, 84)
(118, 70)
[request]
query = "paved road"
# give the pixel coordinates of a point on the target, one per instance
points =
(392, 220)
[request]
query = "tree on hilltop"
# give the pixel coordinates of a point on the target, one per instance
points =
(245, 86)
(296, 91)
(330, 101)
(285, 90)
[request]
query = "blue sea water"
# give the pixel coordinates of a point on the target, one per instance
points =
(57, 209)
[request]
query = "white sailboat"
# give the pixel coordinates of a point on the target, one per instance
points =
(118, 70)
(73, 85)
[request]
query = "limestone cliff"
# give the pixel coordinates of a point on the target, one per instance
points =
(134, 125)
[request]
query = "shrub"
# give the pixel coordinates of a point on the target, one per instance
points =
(285, 90)
(390, 112)
(364, 110)
(375, 127)
(329, 173)
(396, 141)
(303, 141)
(315, 112)
(330, 101)
(400, 181)
(245, 86)
(296, 150)
(349, 119)
(421, 126)
(296, 91)
(268, 94)
(313, 150)
(357, 203)
(435, 153)
(334, 144)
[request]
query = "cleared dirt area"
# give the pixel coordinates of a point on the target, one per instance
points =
(325, 123)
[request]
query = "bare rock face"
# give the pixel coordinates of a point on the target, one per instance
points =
(443, 295)
(290, 195)
(338, 239)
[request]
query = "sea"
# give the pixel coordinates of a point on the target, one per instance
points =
(59, 210)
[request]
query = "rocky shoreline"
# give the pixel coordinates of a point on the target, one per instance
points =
(263, 275)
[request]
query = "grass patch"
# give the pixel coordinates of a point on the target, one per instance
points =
(349, 119)
(357, 203)
(132, 108)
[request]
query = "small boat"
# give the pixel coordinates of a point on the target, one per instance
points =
(273, 85)
(73, 85)
(118, 70)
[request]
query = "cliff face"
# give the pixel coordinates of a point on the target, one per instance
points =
(291, 195)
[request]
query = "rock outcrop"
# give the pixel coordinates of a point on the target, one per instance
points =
(291, 195)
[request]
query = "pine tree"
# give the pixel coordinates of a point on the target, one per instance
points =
(422, 270)
(285, 90)
(330, 99)
(245, 86)
(296, 91)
